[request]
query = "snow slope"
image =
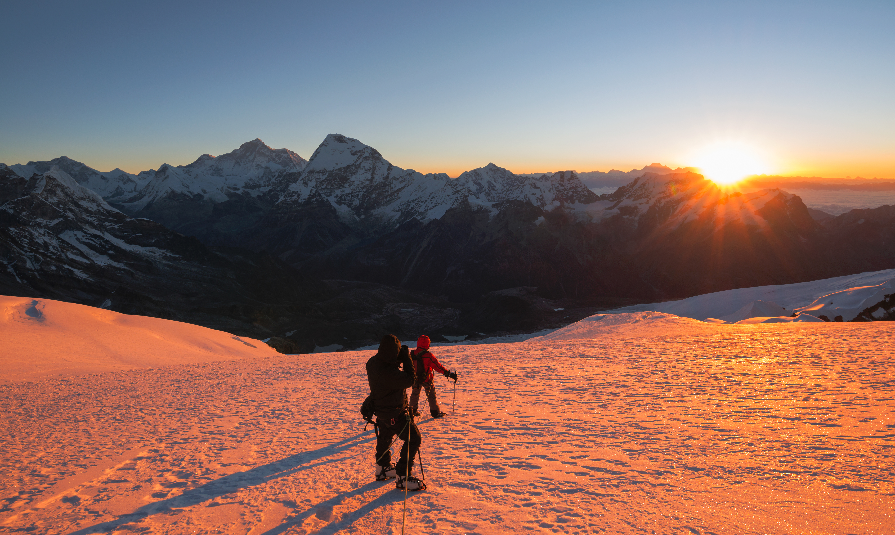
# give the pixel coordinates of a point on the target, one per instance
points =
(849, 303)
(45, 338)
(789, 296)
(756, 309)
(639, 424)
(801, 318)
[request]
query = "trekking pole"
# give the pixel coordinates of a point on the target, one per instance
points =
(422, 472)
(454, 406)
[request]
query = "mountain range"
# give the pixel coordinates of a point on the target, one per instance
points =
(335, 249)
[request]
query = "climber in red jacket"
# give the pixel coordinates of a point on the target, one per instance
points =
(425, 364)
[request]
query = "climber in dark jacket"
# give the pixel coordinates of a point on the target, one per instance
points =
(388, 388)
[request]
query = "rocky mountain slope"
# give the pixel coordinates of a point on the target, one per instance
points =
(112, 185)
(380, 247)
(62, 241)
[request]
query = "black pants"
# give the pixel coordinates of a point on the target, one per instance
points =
(406, 431)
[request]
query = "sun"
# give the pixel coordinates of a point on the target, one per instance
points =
(729, 162)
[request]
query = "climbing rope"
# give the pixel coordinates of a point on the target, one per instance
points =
(404, 515)
(407, 421)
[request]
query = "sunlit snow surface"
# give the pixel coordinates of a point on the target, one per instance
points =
(633, 423)
(729, 303)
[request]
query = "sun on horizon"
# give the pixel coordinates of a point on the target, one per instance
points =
(726, 163)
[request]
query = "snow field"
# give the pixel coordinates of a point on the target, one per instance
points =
(736, 304)
(43, 338)
(644, 424)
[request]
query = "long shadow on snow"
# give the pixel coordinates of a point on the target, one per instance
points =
(235, 482)
(346, 519)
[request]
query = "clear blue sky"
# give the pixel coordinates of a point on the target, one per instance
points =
(449, 86)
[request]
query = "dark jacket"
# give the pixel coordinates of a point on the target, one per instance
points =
(388, 381)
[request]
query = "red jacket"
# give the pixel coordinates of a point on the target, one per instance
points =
(422, 357)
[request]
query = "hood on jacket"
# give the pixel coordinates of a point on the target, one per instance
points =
(389, 348)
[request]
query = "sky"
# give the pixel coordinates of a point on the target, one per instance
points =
(806, 87)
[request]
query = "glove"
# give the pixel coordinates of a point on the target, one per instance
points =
(451, 375)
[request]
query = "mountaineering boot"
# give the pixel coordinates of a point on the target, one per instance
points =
(416, 412)
(385, 472)
(409, 483)
(438, 414)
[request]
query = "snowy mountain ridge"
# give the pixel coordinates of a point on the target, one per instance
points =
(253, 168)
(66, 187)
(614, 177)
(59, 228)
(365, 188)
(111, 185)
(360, 183)
(681, 197)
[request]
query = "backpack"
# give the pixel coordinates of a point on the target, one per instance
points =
(419, 369)
(367, 409)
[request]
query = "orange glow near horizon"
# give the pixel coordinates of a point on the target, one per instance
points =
(728, 162)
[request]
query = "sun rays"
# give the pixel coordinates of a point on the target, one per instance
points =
(726, 163)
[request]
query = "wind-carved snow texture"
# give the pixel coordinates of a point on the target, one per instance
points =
(646, 423)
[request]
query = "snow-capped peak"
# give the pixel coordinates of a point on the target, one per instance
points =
(48, 184)
(63, 177)
(253, 168)
(339, 151)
